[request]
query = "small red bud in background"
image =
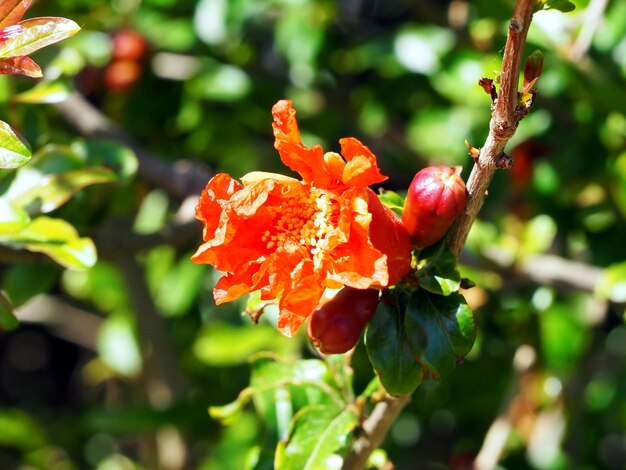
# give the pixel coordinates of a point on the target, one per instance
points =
(121, 75)
(336, 326)
(128, 48)
(128, 44)
(436, 197)
(390, 237)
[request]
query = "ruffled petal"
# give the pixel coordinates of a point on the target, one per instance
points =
(357, 263)
(216, 193)
(300, 300)
(308, 161)
(361, 169)
(230, 244)
(233, 285)
(387, 234)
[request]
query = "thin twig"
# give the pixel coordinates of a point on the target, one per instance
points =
(502, 127)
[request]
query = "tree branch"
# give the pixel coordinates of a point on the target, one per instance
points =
(503, 124)
(374, 429)
(180, 180)
(504, 121)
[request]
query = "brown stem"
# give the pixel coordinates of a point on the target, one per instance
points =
(374, 429)
(501, 128)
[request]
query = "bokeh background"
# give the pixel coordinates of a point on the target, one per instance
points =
(114, 367)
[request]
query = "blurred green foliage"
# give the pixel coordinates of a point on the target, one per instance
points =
(134, 359)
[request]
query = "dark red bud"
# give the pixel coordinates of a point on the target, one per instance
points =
(388, 235)
(336, 326)
(436, 197)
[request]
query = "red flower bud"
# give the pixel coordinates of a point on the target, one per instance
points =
(128, 44)
(390, 237)
(436, 197)
(335, 327)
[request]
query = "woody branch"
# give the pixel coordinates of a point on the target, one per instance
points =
(502, 127)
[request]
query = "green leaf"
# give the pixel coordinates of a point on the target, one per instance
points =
(20, 430)
(11, 11)
(228, 414)
(438, 271)
(37, 33)
(14, 150)
(12, 219)
(440, 330)
(55, 238)
(320, 434)
(564, 337)
(393, 201)
(45, 93)
(564, 6)
(41, 193)
(538, 234)
(561, 5)
(282, 386)
(388, 348)
(110, 154)
(612, 284)
(118, 345)
(7, 313)
(213, 346)
(25, 280)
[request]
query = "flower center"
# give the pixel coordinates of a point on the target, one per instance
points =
(306, 219)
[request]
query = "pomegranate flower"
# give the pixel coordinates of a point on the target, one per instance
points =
(291, 239)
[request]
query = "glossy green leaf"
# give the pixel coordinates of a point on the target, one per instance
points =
(45, 93)
(389, 350)
(318, 439)
(290, 385)
(8, 321)
(438, 271)
(11, 11)
(14, 150)
(38, 33)
(21, 65)
(57, 239)
(440, 330)
(48, 192)
(393, 201)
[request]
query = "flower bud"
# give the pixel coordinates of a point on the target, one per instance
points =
(390, 237)
(436, 197)
(335, 327)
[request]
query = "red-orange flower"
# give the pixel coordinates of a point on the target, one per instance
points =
(291, 239)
